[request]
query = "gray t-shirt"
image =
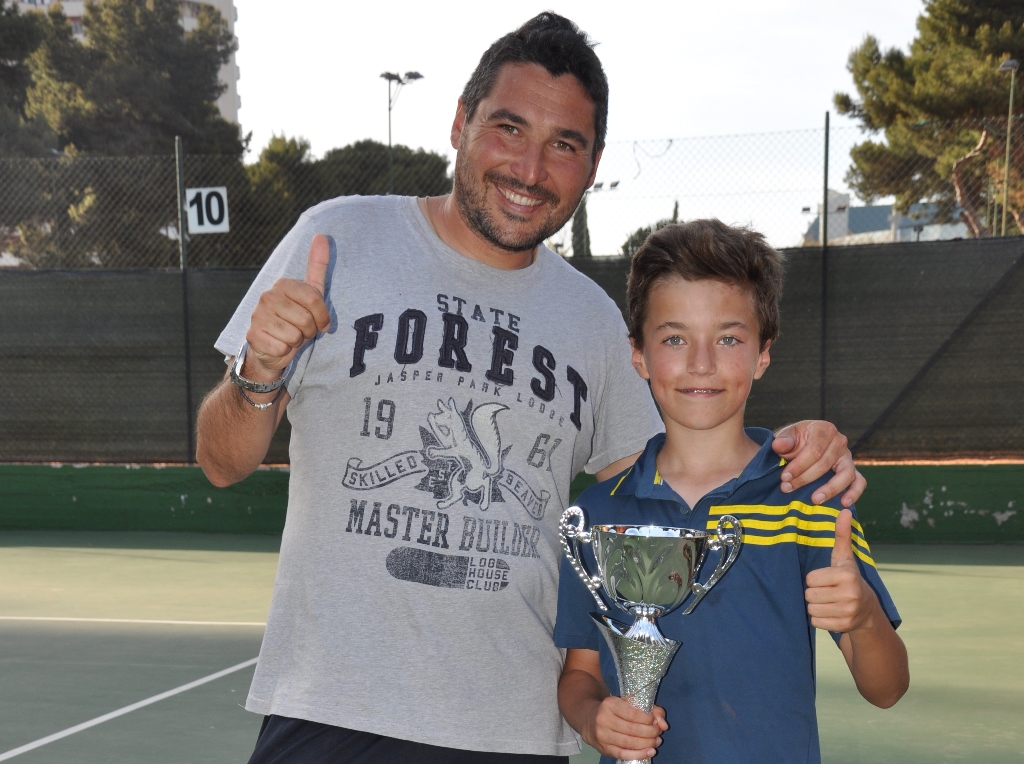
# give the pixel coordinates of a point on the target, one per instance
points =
(435, 430)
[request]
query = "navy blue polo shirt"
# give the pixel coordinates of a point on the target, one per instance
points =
(741, 687)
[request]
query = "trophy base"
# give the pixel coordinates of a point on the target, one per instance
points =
(640, 666)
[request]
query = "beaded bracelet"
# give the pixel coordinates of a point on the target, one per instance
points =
(261, 406)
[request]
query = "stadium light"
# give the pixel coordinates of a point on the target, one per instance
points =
(1010, 65)
(395, 81)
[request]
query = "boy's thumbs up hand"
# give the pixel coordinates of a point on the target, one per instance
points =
(838, 597)
(288, 315)
(842, 550)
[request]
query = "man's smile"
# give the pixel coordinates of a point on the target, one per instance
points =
(514, 191)
(524, 201)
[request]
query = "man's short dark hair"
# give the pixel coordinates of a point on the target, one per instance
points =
(551, 41)
(707, 249)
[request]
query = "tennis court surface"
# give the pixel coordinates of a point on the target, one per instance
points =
(145, 643)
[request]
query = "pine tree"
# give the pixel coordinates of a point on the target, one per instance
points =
(580, 232)
(942, 109)
(136, 82)
(639, 236)
(20, 35)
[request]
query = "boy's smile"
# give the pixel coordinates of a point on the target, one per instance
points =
(701, 353)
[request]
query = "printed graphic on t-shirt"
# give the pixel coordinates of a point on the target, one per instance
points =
(461, 464)
(462, 457)
(490, 425)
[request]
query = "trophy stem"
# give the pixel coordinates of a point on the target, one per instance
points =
(644, 629)
(639, 665)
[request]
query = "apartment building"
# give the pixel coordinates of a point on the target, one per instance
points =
(229, 101)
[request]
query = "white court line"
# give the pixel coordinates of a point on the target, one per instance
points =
(129, 620)
(121, 711)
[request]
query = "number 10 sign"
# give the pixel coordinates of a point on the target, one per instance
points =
(207, 210)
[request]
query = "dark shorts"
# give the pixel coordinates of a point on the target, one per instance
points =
(296, 741)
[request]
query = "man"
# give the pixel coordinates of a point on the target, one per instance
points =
(446, 376)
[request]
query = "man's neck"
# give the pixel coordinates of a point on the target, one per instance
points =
(696, 462)
(442, 212)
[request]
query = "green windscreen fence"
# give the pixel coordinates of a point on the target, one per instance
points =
(913, 350)
(97, 367)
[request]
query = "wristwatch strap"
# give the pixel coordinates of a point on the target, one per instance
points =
(248, 384)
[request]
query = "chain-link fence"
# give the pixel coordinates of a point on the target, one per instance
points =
(918, 182)
(928, 181)
(122, 212)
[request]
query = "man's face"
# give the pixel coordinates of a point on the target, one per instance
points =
(525, 158)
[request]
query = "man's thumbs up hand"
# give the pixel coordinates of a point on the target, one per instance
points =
(316, 266)
(838, 597)
(288, 315)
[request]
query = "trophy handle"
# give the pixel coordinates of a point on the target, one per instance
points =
(574, 532)
(730, 534)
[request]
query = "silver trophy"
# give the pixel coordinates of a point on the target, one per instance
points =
(648, 571)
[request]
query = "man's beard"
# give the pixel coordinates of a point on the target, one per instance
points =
(472, 201)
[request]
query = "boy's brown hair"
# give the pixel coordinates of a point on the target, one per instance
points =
(707, 249)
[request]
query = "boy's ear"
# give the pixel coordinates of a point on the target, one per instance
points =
(638, 360)
(762, 361)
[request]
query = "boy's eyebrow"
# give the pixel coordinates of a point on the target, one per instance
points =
(677, 325)
(670, 325)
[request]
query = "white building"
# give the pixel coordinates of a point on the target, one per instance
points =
(879, 224)
(229, 101)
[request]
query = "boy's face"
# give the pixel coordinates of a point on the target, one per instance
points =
(701, 352)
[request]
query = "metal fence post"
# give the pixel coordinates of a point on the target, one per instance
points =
(56, 211)
(1006, 165)
(179, 156)
(823, 230)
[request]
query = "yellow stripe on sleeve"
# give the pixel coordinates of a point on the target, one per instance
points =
(799, 538)
(738, 510)
(797, 522)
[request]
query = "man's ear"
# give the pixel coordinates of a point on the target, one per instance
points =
(593, 171)
(763, 360)
(638, 360)
(458, 124)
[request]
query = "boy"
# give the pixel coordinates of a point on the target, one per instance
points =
(703, 304)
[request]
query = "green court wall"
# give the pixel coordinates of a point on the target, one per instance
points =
(138, 498)
(906, 504)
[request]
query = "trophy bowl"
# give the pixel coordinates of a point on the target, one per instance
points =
(648, 570)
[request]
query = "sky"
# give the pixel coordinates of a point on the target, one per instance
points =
(676, 68)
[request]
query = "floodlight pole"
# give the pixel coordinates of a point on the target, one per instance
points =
(393, 77)
(1011, 65)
